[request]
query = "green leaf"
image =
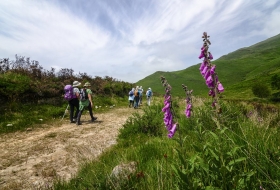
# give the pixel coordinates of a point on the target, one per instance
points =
(237, 160)
(214, 135)
(214, 154)
(223, 130)
(203, 165)
(212, 188)
(196, 148)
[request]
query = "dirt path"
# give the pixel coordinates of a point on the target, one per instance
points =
(32, 159)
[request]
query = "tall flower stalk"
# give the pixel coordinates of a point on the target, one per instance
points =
(188, 110)
(169, 114)
(207, 70)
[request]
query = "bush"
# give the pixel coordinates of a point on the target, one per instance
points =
(149, 123)
(261, 90)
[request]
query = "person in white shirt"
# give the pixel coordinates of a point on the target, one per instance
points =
(149, 95)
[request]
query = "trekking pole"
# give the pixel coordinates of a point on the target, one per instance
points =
(65, 112)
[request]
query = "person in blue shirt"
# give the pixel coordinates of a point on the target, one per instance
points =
(140, 95)
(149, 95)
(131, 97)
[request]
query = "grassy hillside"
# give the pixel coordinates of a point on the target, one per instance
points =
(237, 71)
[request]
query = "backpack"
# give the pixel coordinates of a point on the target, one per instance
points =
(149, 93)
(68, 92)
(83, 94)
(136, 93)
(130, 93)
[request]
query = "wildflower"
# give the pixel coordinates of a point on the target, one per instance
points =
(167, 109)
(172, 130)
(220, 87)
(188, 101)
(208, 72)
(210, 56)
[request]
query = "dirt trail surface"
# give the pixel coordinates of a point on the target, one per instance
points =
(32, 159)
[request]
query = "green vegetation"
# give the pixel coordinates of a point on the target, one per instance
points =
(237, 150)
(30, 95)
(261, 90)
(237, 71)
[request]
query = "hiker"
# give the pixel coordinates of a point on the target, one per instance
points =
(85, 101)
(136, 97)
(140, 95)
(131, 97)
(149, 95)
(74, 103)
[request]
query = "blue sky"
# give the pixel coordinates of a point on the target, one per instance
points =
(130, 39)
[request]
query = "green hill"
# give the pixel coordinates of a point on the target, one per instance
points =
(237, 71)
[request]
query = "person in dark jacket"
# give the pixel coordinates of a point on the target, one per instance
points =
(74, 103)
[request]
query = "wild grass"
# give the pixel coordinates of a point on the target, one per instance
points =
(239, 149)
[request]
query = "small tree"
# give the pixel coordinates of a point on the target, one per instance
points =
(261, 90)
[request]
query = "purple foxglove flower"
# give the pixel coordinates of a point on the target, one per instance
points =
(202, 54)
(204, 71)
(172, 130)
(167, 98)
(212, 70)
(165, 107)
(203, 64)
(210, 85)
(220, 87)
(188, 113)
(168, 118)
(209, 80)
(211, 93)
(210, 56)
(167, 114)
(207, 74)
(189, 107)
(166, 102)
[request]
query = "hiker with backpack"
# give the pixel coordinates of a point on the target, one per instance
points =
(72, 95)
(85, 102)
(136, 97)
(140, 95)
(149, 95)
(131, 97)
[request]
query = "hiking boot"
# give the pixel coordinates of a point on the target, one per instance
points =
(93, 119)
(78, 123)
(72, 122)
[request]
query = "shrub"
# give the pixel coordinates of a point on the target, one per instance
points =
(149, 123)
(261, 90)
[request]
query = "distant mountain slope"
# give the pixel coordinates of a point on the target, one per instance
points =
(237, 71)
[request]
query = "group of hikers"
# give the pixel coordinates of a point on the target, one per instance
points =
(82, 98)
(135, 96)
(79, 99)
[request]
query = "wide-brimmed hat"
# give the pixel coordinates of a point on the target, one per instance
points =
(149, 88)
(87, 84)
(76, 83)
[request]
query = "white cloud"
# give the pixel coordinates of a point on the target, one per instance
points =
(129, 40)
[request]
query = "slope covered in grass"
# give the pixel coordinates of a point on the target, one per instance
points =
(237, 71)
